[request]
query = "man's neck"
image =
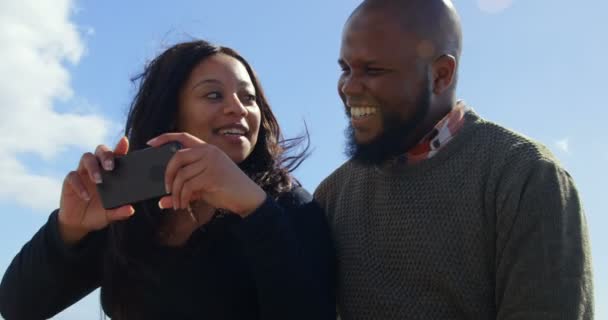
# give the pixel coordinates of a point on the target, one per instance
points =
(435, 114)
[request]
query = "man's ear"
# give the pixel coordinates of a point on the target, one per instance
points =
(444, 73)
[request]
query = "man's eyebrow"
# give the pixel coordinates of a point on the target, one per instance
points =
(341, 62)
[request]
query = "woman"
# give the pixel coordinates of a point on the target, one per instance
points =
(239, 238)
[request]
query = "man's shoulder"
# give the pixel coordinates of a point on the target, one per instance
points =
(334, 179)
(504, 142)
(509, 158)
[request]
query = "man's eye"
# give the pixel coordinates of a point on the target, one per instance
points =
(374, 71)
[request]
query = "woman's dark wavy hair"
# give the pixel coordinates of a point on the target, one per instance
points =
(130, 257)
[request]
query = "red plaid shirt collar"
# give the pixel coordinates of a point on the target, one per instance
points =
(439, 136)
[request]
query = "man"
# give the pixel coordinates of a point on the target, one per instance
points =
(440, 214)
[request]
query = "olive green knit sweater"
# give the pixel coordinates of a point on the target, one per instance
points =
(489, 228)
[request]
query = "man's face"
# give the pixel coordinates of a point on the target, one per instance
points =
(383, 85)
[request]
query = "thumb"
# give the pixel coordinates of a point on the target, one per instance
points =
(121, 213)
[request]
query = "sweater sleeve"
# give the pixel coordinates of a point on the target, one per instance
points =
(47, 276)
(292, 259)
(543, 259)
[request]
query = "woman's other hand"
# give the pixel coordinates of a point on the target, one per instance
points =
(80, 209)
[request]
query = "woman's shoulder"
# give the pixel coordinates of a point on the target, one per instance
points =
(296, 197)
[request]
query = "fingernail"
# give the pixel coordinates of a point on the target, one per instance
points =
(131, 211)
(108, 165)
(97, 177)
(160, 205)
(167, 189)
(151, 141)
(85, 196)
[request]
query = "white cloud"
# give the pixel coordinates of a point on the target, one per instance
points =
(37, 39)
(563, 145)
(35, 191)
(494, 6)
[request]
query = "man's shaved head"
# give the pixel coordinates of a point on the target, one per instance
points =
(435, 23)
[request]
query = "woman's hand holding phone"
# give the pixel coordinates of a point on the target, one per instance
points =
(80, 209)
(201, 171)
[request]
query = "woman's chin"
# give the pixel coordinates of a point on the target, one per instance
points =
(237, 156)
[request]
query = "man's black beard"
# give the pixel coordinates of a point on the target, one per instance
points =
(391, 142)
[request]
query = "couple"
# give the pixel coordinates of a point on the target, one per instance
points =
(438, 214)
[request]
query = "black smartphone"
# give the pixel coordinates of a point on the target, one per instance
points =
(137, 176)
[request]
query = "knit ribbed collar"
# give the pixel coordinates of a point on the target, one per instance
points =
(436, 138)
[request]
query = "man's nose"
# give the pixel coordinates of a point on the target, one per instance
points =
(351, 86)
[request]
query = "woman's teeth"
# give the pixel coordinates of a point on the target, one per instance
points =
(234, 132)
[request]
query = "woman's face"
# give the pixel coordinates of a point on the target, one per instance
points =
(218, 105)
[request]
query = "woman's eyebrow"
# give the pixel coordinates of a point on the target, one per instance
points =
(205, 81)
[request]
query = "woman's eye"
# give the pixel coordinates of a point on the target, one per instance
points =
(250, 97)
(214, 95)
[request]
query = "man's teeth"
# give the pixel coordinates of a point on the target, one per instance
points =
(238, 132)
(362, 111)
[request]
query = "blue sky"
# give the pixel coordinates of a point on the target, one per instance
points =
(537, 67)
